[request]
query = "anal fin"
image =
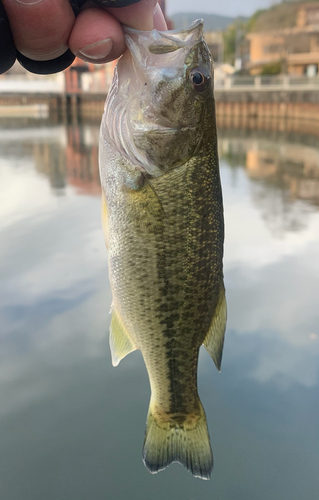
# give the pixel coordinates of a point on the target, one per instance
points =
(214, 340)
(120, 342)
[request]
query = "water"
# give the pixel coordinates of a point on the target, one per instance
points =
(71, 425)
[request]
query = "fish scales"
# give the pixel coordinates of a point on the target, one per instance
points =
(163, 219)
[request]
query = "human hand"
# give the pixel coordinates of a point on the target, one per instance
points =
(47, 33)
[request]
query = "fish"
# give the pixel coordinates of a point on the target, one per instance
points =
(162, 216)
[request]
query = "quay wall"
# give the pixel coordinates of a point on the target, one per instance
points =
(280, 110)
(237, 107)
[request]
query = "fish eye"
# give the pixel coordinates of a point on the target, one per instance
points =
(199, 79)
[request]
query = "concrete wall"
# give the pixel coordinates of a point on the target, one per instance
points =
(242, 108)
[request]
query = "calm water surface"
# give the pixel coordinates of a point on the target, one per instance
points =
(71, 425)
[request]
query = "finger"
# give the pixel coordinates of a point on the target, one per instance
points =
(97, 36)
(145, 16)
(159, 19)
(138, 16)
(40, 28)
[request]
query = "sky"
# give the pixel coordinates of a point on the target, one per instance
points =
(231, 8)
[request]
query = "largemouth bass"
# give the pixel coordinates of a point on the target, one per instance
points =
(162, 215)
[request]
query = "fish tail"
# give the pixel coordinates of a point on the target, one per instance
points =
(172, 440)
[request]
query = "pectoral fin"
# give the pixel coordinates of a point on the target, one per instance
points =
(120, 342)
(214, 340)
(104, 219)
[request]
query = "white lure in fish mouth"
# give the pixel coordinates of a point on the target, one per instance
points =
(157, 97)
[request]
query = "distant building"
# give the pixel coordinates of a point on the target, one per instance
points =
(87, 77)
(222, 71)
(215, 42)
(292, 50)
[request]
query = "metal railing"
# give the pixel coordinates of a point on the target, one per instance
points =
(30, 83)
(266, 83)
(98, 83)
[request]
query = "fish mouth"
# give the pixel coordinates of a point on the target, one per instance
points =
(133, 124)
(192, 27)
(162, 42)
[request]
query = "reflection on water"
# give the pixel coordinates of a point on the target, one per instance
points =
(283, 170)
(71, 425)
(66, 155)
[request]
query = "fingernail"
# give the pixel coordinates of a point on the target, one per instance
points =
(97, 50)
(159, 19)
(29, 2)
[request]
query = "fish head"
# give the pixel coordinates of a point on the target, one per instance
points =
(162, 88)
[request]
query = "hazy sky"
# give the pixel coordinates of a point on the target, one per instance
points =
(227, 8)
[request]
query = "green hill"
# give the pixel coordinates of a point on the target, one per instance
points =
(278, 16)
(212, 22)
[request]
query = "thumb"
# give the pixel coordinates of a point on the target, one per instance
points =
(144, 15)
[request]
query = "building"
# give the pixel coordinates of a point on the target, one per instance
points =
(215, 42)
(293, 50)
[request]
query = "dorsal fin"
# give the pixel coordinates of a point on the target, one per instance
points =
(120, 342)
(214, 340)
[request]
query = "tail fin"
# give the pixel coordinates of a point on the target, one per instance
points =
(187, 443)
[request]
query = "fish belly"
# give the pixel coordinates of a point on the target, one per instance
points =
(165, 251)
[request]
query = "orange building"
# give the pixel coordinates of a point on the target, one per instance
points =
(292, 50)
